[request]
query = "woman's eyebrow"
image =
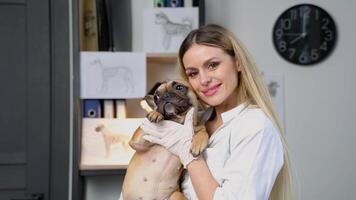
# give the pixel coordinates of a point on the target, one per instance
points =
(204, 63)
(209, 60)
(190, 68)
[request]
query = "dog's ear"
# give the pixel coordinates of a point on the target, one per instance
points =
(154, 88)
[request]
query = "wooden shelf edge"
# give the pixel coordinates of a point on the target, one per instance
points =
(103, 172)
(98, 170)
(102, 167)
(162, 58)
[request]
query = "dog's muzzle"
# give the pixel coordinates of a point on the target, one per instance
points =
(170, 105)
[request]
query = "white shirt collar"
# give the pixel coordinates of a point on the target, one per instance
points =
(230, 114)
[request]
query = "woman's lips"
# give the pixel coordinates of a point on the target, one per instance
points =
(211, 91)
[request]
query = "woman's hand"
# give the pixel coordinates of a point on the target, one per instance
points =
(175, 137)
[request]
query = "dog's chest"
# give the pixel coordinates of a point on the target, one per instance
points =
(159, 161)
(155, 172)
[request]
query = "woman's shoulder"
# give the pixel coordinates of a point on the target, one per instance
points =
(253, 116)
(252, 121)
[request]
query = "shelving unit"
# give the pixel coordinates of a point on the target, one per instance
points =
(160, 66)
(161, 58)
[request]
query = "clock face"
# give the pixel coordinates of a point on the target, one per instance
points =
(304, 34)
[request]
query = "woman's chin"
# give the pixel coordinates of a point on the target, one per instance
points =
(212, 101)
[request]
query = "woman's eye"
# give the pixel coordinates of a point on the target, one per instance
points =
(213, 65)
(192, 74)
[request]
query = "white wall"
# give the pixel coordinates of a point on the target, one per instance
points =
(319, 109)
(319, 113)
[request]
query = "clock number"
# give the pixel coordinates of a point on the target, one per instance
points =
(292, 52)
(325, 22)
(279, 33)
(314, 54)
(304, 34)
(304, 11)
(324, 46)
(303, 57)
(286, 24)
(282, 46)
(329, 35)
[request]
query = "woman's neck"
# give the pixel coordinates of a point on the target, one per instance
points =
(234, 100)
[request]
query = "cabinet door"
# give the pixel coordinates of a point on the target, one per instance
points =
(25, 120)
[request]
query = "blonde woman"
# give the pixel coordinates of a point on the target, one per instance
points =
(247, 155)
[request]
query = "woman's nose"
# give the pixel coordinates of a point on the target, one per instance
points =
(205, 78)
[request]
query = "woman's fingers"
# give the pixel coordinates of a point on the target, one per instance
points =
(189, 116)
(151, 138)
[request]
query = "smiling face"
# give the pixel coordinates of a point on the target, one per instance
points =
(212, 73)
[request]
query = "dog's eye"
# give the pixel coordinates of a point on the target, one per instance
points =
(156, 97)
(179, 87)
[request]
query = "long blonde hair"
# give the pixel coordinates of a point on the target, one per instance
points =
(250, 88)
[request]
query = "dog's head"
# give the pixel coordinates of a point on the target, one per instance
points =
(172, 99)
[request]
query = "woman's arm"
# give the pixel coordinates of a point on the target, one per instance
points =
(202, 180)
(249, 173)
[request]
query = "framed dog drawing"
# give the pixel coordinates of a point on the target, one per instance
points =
(105, 142)
(165, 28)
(113, 75)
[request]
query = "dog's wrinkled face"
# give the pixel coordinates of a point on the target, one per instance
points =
(171, 99)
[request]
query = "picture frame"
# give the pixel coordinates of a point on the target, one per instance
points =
(113, 75)
(164, 29)
(104, 143)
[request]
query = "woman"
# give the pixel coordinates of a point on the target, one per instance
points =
(247, 155)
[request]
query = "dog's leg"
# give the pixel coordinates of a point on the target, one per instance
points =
(138, 143)
(200, 140)
(107, 141)
(154, 116)
(166, 41)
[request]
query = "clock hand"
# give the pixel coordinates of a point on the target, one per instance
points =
(291, 34)
(297, 38)
(303, 24)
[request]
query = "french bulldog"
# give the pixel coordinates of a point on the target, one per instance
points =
(153, 172)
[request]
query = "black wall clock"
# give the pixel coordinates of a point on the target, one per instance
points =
(304, 34)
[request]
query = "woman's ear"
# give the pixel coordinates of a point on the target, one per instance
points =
(238, 66)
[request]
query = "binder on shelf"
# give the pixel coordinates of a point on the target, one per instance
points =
(120, 105)
(118, 18)
(188, 3)
(92, 108)
(109, 109)
(201, 5)
(89, 40)
(105, 42)
(174, 3)
(158, 3)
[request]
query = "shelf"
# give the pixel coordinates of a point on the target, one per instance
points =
(162, 58)
(102, 172)
(102, 167)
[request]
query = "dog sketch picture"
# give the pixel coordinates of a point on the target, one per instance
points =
(113, 75)
(105, 142)
(165, 28)
(172, 29)
(111, 72)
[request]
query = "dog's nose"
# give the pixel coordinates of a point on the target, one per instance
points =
(167, 95)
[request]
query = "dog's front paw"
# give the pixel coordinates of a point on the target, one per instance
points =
(154, 116)
(199, 142)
